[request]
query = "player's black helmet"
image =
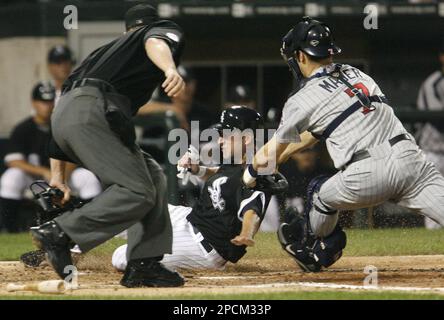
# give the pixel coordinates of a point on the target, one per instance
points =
(240, 117)
(43, 91)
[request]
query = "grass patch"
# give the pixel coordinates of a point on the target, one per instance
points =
(295, 295)
(394, 242)
(13, 245)
(376, 242)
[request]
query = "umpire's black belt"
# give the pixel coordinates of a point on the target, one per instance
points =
(364, 154)
(205, 243)
(91, 82)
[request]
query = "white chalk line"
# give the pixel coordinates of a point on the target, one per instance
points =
(321, 285)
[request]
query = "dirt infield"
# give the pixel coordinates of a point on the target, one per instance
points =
(403, 273)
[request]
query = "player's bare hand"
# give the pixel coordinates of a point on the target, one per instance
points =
(241, 240)
(173, 83)
(63, 187)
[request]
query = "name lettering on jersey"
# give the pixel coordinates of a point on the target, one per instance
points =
(331, 84)
(216, 193)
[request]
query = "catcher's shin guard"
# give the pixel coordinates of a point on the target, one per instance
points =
(311, 253)
(295, 238)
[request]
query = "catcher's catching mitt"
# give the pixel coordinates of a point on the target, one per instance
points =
(272, 184)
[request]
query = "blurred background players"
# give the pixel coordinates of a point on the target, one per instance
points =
(241, 95)
(184, 105)
(27, 159)
(430, 136)
(60, 65)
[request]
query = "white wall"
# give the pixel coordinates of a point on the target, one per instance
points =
(92, 35)
(22, 65)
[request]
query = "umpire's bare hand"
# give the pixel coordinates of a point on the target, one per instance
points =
(55, 183)
(173, 83)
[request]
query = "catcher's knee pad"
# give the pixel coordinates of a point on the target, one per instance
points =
(322, 218)
(313, 200)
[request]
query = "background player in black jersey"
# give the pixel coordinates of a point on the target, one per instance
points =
(92, 126)
(27, 159)
(227, 216)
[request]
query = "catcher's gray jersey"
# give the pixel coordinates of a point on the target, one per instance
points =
(322, 99)
(393, 171)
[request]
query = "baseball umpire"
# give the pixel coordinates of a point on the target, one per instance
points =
(378, 160)
(92, 127)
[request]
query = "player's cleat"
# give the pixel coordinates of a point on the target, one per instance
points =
(284, 234)
(294, 239)
(292, 232)
(304, 257)
(50, 238)
(150, 273)
(33, 259)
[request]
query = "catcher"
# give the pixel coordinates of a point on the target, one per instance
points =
(227, 216)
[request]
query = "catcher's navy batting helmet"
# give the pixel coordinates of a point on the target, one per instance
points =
(240, 117)
(310, 36)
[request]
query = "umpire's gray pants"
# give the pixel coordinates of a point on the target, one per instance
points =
(134, 195)
(400, 174)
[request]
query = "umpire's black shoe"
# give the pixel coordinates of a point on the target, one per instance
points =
(51, 238)
(150, 273)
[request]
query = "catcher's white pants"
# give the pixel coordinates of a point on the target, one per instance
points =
(187, 253)
(14, 182)
(400, 174)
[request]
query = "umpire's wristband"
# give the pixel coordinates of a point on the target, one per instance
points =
(250, 175)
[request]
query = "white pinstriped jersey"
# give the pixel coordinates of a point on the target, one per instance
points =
(324, 98)
(431, 97)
